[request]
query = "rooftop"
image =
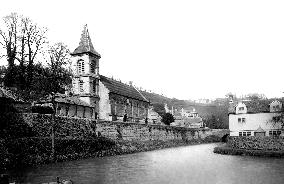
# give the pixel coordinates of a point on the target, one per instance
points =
(120, 88)
(254, 106)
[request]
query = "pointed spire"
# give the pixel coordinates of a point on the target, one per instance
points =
(85, 45)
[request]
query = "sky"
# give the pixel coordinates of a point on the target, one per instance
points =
(182, 49)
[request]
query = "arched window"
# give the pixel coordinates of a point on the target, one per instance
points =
(80, 67)
(93, 66)
(94, 87)
(81, 86)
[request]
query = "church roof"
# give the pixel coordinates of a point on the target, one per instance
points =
(85, 45)
(122, 89)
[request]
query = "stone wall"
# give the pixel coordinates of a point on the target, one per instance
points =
(142, 132)
(40, 125)
(83, 127)
(257, 143)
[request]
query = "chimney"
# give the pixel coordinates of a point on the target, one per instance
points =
(130, 83)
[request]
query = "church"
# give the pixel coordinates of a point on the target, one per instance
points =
(97, 96)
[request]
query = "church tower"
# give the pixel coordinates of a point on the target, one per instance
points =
(85, 70)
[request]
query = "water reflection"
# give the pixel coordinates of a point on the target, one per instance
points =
(191, 164)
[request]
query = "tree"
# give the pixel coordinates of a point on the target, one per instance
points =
(9, 42)
(168, 118)
(34, 39)
(159, 108)
(22, 40)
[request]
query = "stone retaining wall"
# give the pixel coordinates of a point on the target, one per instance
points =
(83, 127)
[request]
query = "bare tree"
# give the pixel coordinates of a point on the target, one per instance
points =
(59, 57)
(23, 40)
(35, 39)
(9, 42)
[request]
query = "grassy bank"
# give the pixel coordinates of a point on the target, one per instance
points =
(225, 150)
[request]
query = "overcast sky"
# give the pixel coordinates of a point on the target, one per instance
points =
(182, 49)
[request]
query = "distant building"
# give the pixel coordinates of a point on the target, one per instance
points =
(187, 118)
(203, 101)
(254, 118)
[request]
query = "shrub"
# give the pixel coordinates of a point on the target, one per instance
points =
(42, 109)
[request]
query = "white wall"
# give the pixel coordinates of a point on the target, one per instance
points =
(252, 122)
(104, 103)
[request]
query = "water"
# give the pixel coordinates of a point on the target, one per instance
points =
(182, 165)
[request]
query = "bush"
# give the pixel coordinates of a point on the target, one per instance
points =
(168, 118)
(21, 152)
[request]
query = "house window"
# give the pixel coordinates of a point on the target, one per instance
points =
(81, 67)
(81, 87)
(241, 120)
(243, 134)
(274, 133)
(241, 108)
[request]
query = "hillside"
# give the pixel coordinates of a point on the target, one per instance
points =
(215, 115)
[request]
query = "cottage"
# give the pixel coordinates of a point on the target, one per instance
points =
(255, 118)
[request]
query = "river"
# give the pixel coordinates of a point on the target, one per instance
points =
(195, 164)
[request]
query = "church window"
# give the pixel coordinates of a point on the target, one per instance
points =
(94, 86)
(81, 86)
(81, 67)
(93, 66)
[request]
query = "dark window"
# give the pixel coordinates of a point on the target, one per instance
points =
(81, 86)
(94, 86)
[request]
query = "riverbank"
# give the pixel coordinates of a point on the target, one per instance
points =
(36, 151)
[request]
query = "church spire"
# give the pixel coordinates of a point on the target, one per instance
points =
(85, 45)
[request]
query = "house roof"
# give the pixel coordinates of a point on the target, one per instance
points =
(253, 106)
(85, 44)
(122, 89)
(193, 120)
(259, 130)
(74, 100)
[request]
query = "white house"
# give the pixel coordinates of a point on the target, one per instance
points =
(255, 118)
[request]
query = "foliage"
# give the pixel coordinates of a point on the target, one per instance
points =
(167, 118)
(12, 124)
(17, 153)
(215, 122)
(159, 108)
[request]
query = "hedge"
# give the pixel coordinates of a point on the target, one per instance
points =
(21, 152)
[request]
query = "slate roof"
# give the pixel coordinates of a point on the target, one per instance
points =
(67, 100)
(253, 106)
(85, 45)
(120, 88)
